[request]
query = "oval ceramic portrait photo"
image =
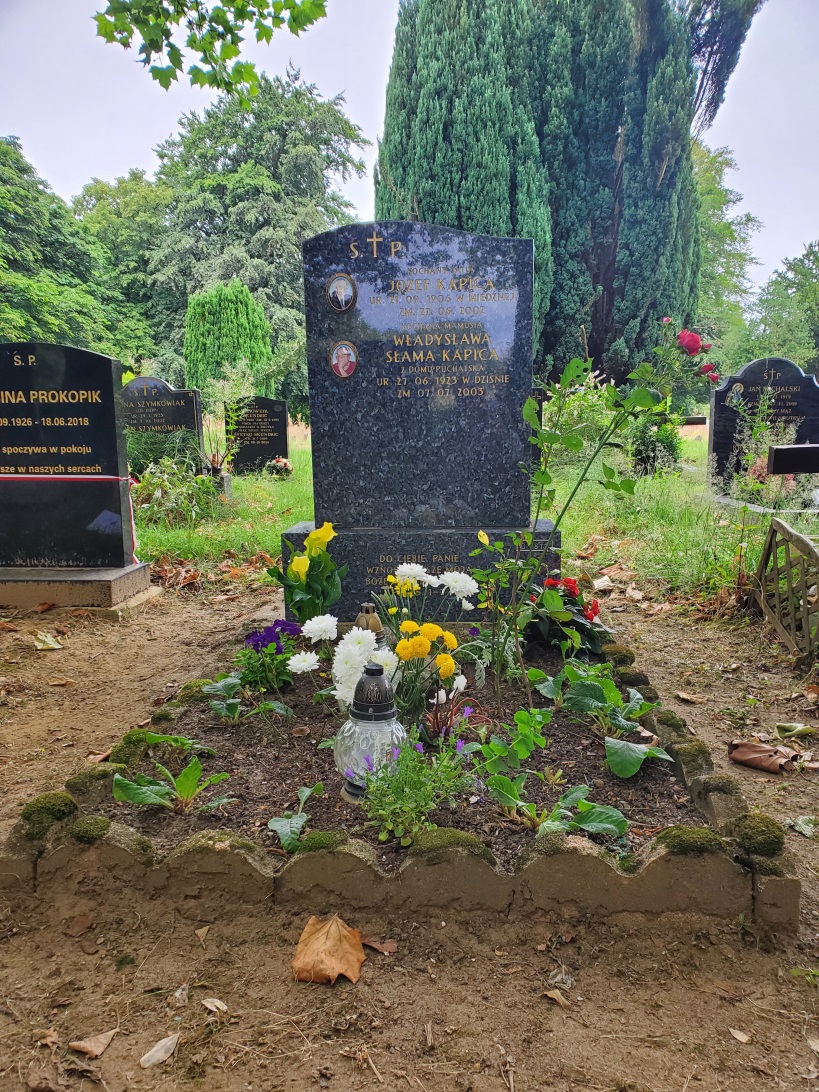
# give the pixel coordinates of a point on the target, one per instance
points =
(341, 292)
(343, 359)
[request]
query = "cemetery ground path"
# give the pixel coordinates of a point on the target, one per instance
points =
(652, 1004)
(58, 706)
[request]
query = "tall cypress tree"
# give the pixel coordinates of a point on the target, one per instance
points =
(226, 326)
(595, 162)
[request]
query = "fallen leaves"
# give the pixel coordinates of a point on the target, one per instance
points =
(44, 642)
(761, 756)
(327, 949)
(558, 998)
(96, 1046)
(214, 1005)
(693, 699)
(61, 680)
(202, 933)
(160, 1052)
(9, 627)
(740, 1036)
(386, 947)
(79, 924)
(634, 593)
(41, 608)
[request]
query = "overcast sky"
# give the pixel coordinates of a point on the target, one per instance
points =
(85, 109)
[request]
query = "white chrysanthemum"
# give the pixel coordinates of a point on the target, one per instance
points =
(466, 606)
(362, 639)
(417, 573)
(459, 684)
(322, 628)
(461, 585)
(388, 660)
(345, 692)
(348, 662)
(303, 662)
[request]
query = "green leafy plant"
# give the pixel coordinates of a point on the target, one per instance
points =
(601, 699)
(401, 794)
(172, 493)
(265, 670)
(560, 615)
(178, 745)
(225, 702)
(289, 826)
(810, 975)
(590, 818)
(312, 582)
(624, 759)
(655, 444)
(174, 793)
(500, 756)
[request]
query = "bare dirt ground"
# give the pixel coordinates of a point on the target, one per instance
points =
(461, 1005)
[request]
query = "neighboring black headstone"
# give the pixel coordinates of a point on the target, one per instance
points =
(150, 405)
(419, 350)
(794, 400)
(63, 473)
(261, 434)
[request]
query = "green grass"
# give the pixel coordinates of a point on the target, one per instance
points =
(261, 508)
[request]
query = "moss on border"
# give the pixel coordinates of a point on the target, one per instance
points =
(130, 749)
(434, 844)
(650, 693)
(669, 719)
(191, 691)
(87, 780)
(684, 841)
(618, 655)
(759, 835)
(89, 829)
(694, 757)
(322, 841)
(169, 713)
(629, 863)
(629, 677)
(722, 784)
(40, 814)
(764, 866)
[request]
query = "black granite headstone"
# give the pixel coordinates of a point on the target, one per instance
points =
(63, 472)
(150, 405)
(419, 351)
(794, 400)
(261, 434)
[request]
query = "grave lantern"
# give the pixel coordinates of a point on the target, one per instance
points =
(368, 619)
(368, 736)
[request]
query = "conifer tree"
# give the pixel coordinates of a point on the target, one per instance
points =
(225, 326)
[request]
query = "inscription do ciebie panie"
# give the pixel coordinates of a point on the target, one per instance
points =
(419, 352)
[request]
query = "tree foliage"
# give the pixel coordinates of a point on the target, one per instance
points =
(56, 280)
(566, 122)
(226, 326)
(213, 31)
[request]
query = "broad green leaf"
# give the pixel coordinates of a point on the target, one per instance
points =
(599, 819)
(572, 796)
(305, 793)
(531, 413)
(218, 802)
(289, 828)
(504, 791)
(156, 794)
(625, 759)
(187, 784)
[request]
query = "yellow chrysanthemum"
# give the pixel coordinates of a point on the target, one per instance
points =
(392, 610)
(297, 569)
(450, 640)
(431, 630)
(409, 626)
(420, 646)
(408, 588)
(404, 650)
(446, 665)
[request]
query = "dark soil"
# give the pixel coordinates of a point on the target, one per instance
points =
(268, 762)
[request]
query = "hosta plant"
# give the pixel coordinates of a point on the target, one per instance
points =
(587, 817)
(624, 759)
(174, 793)
(289, 826)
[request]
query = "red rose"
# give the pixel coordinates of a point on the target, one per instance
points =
(707, 347)
(595, 608)
(689, 342)
(705, 369)
(713, 377)
(588, 614)
(533, 598)
(666, 320)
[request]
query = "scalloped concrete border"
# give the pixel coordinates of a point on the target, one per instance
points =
(566, 875)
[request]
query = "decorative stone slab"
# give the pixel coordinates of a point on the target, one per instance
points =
(24, 588)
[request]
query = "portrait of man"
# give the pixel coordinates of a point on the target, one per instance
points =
(341, 292)
(734, 397)
(343, 359)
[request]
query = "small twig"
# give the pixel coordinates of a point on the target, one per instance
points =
(428, 1033)
(372, 1066)
(688, 1078)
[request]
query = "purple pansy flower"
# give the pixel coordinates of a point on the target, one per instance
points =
(474, 631)
(289, 629)
(262, 639)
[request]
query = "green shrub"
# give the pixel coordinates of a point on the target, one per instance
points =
(653, 447)
(172, 493)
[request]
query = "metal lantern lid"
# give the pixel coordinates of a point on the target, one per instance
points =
(373, 699)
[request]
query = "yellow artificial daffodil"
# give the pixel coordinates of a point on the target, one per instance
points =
(297, 569)
(318, 541)
(446, 665)
(409, 626)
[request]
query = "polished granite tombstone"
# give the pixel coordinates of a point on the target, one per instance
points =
(261, 434)
(419, 352)
(794, 401)
(151, 405)
(64, 500)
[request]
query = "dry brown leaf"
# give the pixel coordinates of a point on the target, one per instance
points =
(40, 1080)
(646, 737)
(41, 608)
(633, 592)
(558, 998)
(740, 1036)
(603, 583)
(386, 947)
(101, 757)
(301, 732)
(812, 693)
(202, 933)
(44, 642)
(80, 924)
(811, 1074)
(814, 1045)
(61, 680)
(760, 756)
(9, 627)
(49, 1039)
(327, 949)
(694, 699)
(213, 1004)
(96, 1046)
(160, 1052)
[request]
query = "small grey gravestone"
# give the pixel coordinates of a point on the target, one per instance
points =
(64, 495)
(419, 349)
(794, 401)
(151, 405)
(261, 434)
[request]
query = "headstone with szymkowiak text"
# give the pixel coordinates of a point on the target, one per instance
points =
(792, 399)
(63, 472)
(151, 405)
(419, 351)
